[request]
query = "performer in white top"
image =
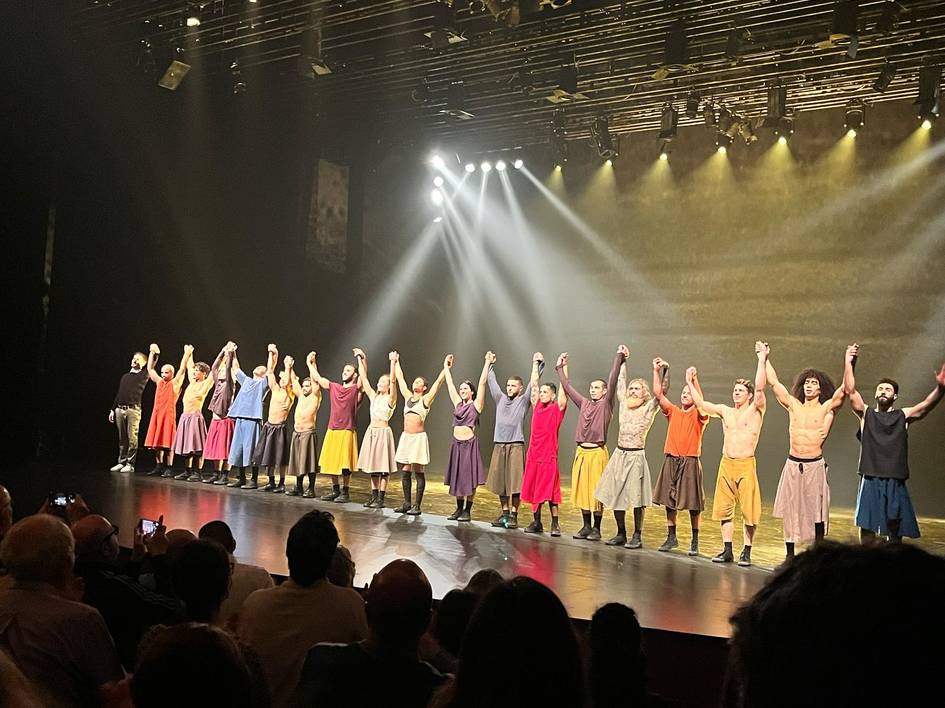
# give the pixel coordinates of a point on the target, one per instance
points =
(377, 449)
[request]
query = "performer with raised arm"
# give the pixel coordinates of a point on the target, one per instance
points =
(340, 448)
(272, 450)
(464, 471)
(125, 413)
(625, 483)
(247, 411)
(413, 450)
(377, 452)
(163, 424)
(803, 498)
(542, 480)
(508, 452)
(303, 460)
(590, 456)
(220, 432)
(679, 485)
(738, 476)
(883, 505)
(191, 427)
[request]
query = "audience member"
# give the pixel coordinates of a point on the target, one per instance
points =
(281, 624)
(6, 512)
(127, 606)
(244, 578)
(448, 629)
(341, 570)
(483, 581)
(616, 672)
(201, 576)
(61, 645)
(549, 669)
(862, 625)
(195, 665)
(359, 675)
(16, 691)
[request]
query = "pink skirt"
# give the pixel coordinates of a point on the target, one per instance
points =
(191, 434)
(219, 438)
(542, 481)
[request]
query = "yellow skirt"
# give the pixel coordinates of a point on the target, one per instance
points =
(339, 452)
(589, 464)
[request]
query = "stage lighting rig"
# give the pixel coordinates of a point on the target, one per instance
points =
(737, 36)
(444, 32)
(889, 18)
(709, 115)
(886, 75)
(669, 122)
(676, 45)
(930, 93)
(777, 101)
(723, 141)
(559, 148)
(566, 89)
(470, 167)
(456, 101)
(692, 104)
(312, 60)
(239, 85)
(854, 116)
(174, 74)
(606, 143)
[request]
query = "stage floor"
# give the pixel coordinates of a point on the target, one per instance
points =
(669, 591)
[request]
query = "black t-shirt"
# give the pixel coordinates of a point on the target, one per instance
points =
(884, 449)
(346, 675)
(130, 388)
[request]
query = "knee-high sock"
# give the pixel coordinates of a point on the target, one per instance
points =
(620, 516)
(405, 481)
(421, 487)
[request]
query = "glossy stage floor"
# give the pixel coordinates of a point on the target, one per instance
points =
(669, 591)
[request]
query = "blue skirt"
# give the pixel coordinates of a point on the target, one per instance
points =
(245, 437)
(880, 500)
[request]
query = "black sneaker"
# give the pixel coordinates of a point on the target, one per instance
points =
(583, 533)
(370, 501)
(594, 535)
(403, 508)
(331, 496)
(465, 516)
(220, 479)
(156, 471)
(693, 548)
(414, 510)
(455, 515)
(724, 557)
(236, 483)
(635, 542)
(293, 492)
(308, 494)
(669, 544)
(342, 498)
(270, 487)
(251, 484)
(617, 540)
(280, 488)
(744, 560)
(502, 521)
(534, 527)
(555, 529)
(184, 474)
(194, 477)
(512, 523)
(167, 473)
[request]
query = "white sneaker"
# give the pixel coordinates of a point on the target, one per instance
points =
(117, 468)
(127, 468)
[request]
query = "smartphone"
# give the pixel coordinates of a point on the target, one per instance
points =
(60, 500)
(148, 526)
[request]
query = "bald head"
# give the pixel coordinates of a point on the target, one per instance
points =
(39, 548)
(176, 540)
(399, 602)
(6, 511)
(94, 540)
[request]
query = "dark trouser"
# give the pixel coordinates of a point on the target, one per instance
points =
(127, 421)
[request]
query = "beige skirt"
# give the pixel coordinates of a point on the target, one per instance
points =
(414, 449)
(377, 452)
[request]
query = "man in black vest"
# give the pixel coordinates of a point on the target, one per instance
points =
(125, 413)
(883, 505)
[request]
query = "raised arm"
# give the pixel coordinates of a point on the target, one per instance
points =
(447, 365)
(493, 383)
(534, 379)
(781, 393)
(402, 382)
(313, 369)
(190, 367)
(695, 390)
(623, 353)
(562, 368)
(622, 382)
(660, 368)
(215, 367)
(434, 389)
(186, 364)
(922, 409)
(480, 401)
(296, 385)
(759, 400)
(849, 380)
(271, 360)
(562, 399)
(154, 351)
(837, 399)
(393, 357)
(363, 373)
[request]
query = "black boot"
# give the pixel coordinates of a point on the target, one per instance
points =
(373, 498)
(379, 502)
(158, 469)
(253, 483)
(220, 480)
(297, 492)
(726, 556)
(670, 543)
(555, 528)
(634, 542)
(512, 523)
(459, 510)
(744, 560)
(166, 471)
(342, 498)
(467, 512)
(310, 492)
(333, 494)
(502, 520)
(240, 480)
(694, 544)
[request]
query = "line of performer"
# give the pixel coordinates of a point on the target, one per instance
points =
(239, 442)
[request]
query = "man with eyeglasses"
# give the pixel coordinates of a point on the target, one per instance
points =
(127, 606)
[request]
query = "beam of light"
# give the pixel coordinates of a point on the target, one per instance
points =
(500, 165)
(436, 196)
(716, 171)
(486, 167)
(470, 167)
(437, 162)
(518, 164)
(926, 124)
(438, 181)
(782, 140)
(918, 141)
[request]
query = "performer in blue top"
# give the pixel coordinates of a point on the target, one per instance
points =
(247, 411)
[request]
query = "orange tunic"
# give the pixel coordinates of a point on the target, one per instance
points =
(163, 423)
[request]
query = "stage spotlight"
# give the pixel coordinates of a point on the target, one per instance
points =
(733, 43)
(930, 92)
(437, 219)
(500, 165)
(437, 162)
(664, 157)
(886, 75)
(854, 116)
(692, 104)
(193, 15)
(559, 147)
(605, 142)
(438, 181)
(669, 122)
(238, 85)
(709, 116)
(723, 140)
(470, 167)
(777, 101)
(844, 19)
(609, 163)
(436, 196)
(518, 164)
(747, 130)
(782, 140)
(666, 147)
(784, 127)
(722, 150)
(486, 167)
(927, 124)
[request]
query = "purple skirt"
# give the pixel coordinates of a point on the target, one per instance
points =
(191, 434)
(464, 472)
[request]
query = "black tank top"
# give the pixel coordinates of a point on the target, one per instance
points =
(884, 449)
